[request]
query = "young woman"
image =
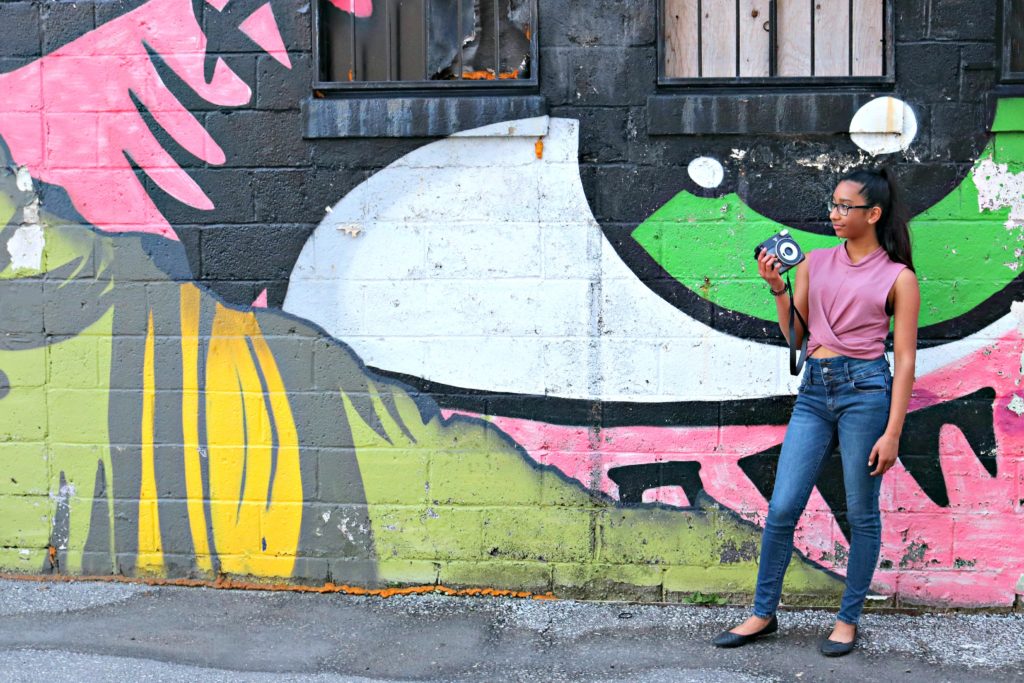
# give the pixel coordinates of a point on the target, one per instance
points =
(847, 395)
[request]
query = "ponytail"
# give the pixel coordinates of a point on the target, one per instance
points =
(879, 189)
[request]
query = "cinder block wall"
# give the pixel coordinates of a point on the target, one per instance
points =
(505, 340)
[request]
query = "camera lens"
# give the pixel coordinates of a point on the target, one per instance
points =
(788, 251)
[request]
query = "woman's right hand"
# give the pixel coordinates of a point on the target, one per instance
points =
(768, 268)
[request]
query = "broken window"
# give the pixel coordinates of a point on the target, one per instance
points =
(422, 43)
(752, 39)
(1013, 40)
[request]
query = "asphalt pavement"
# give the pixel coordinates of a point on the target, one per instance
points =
(101, 631)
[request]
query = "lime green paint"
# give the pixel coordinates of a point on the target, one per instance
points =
(22, 560)
(25, 469)
(1009, 150)
(27, 521)
(565, 534)
(1009, 115)
(598, 580)
(7, 210)
(486, 516)
(62, 425)
(960, 252)
(497, 574)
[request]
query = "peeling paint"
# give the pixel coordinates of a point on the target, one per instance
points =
(998, 188)
(915, 554)
(731, 553)
(343, 528)
(23, 179)
(350, 229)
(1016, 405)
(26, 247)
(64, 493)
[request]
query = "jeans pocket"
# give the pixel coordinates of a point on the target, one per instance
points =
(876, 382)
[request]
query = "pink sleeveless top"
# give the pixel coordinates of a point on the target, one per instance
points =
(846, 301)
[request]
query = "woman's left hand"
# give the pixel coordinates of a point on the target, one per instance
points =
(883, 454)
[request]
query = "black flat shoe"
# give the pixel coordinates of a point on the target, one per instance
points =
(831, 648)
(730, 639)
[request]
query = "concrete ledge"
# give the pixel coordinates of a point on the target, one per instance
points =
(401, 117)
(787, 113)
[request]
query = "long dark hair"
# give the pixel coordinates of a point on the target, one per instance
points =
(879, 189)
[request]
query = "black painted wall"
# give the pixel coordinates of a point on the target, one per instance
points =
(597, 64)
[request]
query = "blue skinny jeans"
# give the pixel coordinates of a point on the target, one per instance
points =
(845, 399)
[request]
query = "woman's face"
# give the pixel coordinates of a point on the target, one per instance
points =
(858, 221)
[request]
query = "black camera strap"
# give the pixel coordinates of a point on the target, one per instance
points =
(795, 364)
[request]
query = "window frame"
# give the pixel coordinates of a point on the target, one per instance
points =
(425, 87)
(1006, 74)
(888, 56)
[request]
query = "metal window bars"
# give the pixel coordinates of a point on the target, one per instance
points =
(693, 32)
(426, 44)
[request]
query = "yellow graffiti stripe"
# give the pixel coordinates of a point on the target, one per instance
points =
(190, 300)
(255, 504)
(150, 556)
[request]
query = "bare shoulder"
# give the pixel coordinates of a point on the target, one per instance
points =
(906, 281)
(905, 295)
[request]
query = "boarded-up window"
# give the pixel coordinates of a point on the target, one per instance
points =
(1013, 40)
(774, 38)
(426, 42)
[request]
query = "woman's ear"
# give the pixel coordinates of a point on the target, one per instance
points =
(874, 214)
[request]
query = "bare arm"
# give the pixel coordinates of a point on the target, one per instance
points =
(906, 306)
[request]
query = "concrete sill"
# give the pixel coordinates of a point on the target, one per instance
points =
(752, 114)
(413, 117)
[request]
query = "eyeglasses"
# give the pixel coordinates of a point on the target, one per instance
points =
(844, 209)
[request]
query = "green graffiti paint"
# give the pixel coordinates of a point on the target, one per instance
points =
(963, 254)
(459, 494)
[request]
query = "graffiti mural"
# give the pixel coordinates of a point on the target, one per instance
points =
(485, 364)
(201, 440)
(576, 331)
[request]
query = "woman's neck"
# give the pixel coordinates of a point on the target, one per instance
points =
(861, 247)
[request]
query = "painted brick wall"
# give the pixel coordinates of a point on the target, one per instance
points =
(531, 355)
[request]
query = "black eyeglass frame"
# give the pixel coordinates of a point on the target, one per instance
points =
(844, 209)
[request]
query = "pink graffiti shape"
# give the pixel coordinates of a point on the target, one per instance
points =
(261, 300)
(360, 8)
(966, 553)
(262, 28)
(70, 118)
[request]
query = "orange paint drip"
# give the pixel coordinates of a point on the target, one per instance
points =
(488, 75)
(351, 76)
(225, 583)
(538, 147)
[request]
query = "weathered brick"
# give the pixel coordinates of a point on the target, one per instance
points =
(539, 534)
(21, 29)
(26, 522)
(516, 576)
(281, 88)
(25, 469)
(434, 532)
(63, 22)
